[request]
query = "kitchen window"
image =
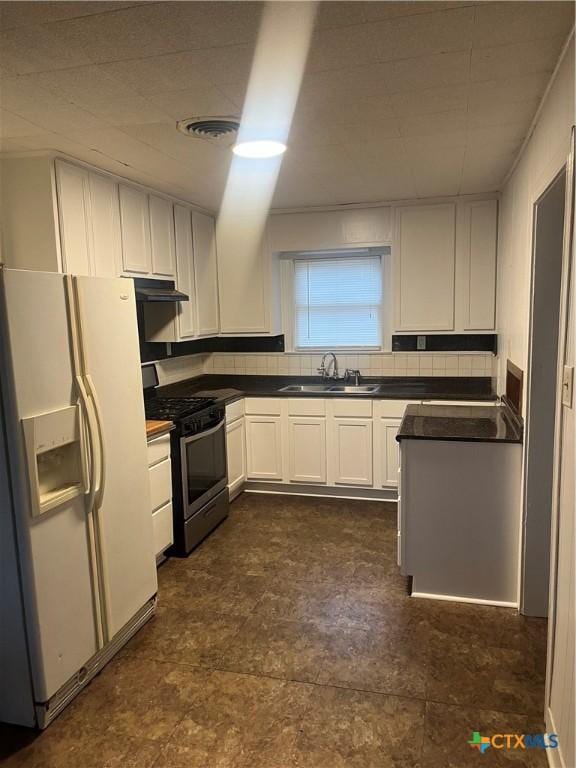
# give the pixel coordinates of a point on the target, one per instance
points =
(337, 302)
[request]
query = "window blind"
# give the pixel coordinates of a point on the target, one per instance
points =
(337, 302)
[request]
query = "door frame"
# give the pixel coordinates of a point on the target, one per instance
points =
(530, 428)
(567, 269)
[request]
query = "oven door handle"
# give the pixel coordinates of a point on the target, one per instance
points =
(207, 433)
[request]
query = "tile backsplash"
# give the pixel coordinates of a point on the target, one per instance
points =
(172, 370)
(377, 364)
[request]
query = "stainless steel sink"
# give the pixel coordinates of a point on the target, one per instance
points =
(350, 389)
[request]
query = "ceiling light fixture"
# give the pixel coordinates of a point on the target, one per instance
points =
(259, 149)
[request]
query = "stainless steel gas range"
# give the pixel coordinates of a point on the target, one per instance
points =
(199, 471)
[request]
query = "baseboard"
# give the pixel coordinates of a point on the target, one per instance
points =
(456, 599)
(366, 494)
(555, 756)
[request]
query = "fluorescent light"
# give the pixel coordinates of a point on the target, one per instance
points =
(259, 149)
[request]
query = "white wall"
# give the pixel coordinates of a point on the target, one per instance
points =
(542, 158)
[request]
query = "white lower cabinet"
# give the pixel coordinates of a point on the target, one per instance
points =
(386, 452)
(350, 456)
(236, 454)
(306, 449)
(160, 474)
(264, 448)
(336, 442)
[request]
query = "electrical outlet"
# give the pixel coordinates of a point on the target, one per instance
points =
(420, 343)
(567, 385)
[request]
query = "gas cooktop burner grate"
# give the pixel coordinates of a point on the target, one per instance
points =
(173, 408)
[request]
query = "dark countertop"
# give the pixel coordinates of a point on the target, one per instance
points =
(473, 423)
(227, 388)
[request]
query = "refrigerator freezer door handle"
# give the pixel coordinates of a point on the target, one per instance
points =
(91, 490)
(102, 482)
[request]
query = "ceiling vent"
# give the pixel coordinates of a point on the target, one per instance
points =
(220, 129)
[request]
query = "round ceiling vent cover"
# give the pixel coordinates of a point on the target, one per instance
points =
(210, 128)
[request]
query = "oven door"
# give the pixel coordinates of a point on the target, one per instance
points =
(204, 471)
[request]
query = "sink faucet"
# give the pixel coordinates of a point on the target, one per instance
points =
(349, 373)
(324, 369)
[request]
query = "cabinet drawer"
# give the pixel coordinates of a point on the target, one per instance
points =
(353, 408)
(234, 411)
(392, 409)
(263, 406)
(158, 449)
(160, 484)
(162, 528)
(306, 406)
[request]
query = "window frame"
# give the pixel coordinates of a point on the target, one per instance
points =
(287, 270)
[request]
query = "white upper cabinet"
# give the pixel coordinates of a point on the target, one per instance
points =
(185, 271)
(479, 265)
(330, 229)
(244, 278)
(206, 274)
(162, 237)
(105, 235)
(135, 222)
(75, 217)
(424, 268)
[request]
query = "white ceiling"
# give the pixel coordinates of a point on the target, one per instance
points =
(399, 99)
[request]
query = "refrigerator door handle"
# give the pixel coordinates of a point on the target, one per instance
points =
(97, 410)
(91, 490)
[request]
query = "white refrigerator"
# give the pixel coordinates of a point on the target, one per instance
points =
(77, 569)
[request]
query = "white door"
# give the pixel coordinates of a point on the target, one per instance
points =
(74, 215)
(135, 223)
(112, 370)
(307, 449)
(236, 454)
(185, 271)
(350, 454)
(424, 267)
(106, 237)
(56, 572)
(264, 448)
(386, 452)
(206, 273)
(162, 237)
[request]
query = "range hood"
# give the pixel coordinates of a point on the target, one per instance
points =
(157, 291)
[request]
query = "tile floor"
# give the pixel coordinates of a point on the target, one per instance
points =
(287, 640)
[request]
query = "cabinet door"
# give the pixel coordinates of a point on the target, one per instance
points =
(350, 454)
(386, 453)
(480, 265)
(135, 223)
(106, 237)
(74, 215)
(244, 278)
(424, 268)
(205, 270)
(307, 449)
(236, 454)
(162, 237)
(185, 271)
(264, 448)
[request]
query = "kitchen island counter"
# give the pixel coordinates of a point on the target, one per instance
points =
(488, 424)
